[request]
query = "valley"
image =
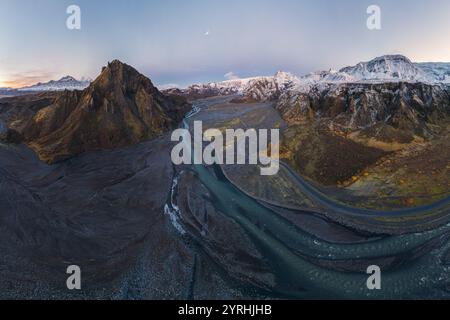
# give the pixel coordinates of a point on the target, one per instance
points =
(375, 137)
(87, 179)
(285, 234)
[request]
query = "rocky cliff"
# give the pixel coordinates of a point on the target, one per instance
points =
(121, 107)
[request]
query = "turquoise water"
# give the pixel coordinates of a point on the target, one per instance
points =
(293, 253)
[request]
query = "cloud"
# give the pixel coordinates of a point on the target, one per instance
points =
(231, 76)
(168, 86)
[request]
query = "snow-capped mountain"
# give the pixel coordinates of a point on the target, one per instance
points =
(389, 89)
(234, 86)
(438, 71)
(6, 92)
(269, 88)
(6, 89)
(389, 68)
(65, 83)
(258, 88)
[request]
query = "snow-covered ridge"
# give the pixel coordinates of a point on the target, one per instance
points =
(386, 68)
(65, 83)
(438, 71)
(389, 68)
(261, 88)
(235, 86)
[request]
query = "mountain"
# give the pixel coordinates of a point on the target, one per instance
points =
(389, 68)
(389, 89)
(269, 88)
(438, 71)
(415, 107)
(121, 107)
(223, 88)
(256, 88)
(65, 83)
(343, 126)
(7, 92)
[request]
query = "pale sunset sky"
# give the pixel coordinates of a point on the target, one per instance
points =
(190, 41)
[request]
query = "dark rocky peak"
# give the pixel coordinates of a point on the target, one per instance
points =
(120, 76)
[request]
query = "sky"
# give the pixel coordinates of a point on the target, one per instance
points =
(181, 42)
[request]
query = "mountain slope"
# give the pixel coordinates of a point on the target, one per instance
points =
(408, 106)
(256, 88)
(383, 69)
(389, 89)
(438, 71)
(121, 107)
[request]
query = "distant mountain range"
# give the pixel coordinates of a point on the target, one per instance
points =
(393, 68)
(388, 68)
(389, 89)
(65, 83)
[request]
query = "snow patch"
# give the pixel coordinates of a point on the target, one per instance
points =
(65, 83)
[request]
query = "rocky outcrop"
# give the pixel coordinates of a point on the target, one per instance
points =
(408, 106)
(251, 89)
(121, 107)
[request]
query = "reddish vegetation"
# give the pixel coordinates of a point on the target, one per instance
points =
(332, 159)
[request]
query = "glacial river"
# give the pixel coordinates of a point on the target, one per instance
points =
(293, 253)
